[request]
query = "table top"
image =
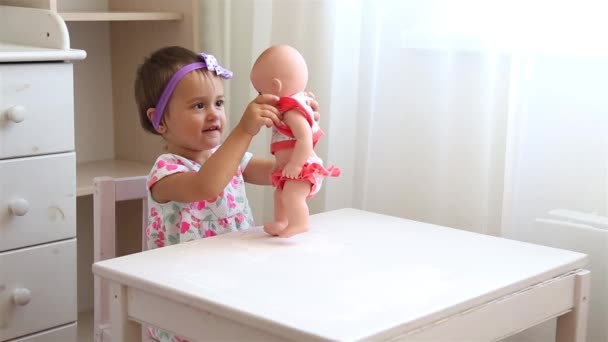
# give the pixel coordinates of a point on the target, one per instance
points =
(354, 275)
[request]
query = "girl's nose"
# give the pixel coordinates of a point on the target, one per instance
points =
(213, 113)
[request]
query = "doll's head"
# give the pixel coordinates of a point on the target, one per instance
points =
(280, 70)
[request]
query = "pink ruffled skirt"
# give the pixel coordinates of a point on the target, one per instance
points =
(313, 171)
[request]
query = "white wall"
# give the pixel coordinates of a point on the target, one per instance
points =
(93, 112)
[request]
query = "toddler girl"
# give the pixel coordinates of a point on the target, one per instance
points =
(196, 188)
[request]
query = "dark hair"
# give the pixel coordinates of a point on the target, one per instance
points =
(154, 74)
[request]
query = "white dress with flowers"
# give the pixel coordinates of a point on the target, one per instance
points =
(174, 222)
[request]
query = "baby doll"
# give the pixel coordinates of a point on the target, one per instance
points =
(281, 70)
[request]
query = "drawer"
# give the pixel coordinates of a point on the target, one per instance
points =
(37, 288)
(36, 109)
(37, 200)
(62, 334)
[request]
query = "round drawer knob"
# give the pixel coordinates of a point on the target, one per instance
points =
(16, 114)
(22, 296)
(19, 206)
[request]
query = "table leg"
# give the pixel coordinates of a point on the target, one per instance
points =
(572, 327)
(122, 329)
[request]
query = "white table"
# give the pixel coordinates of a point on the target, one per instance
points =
(354, 276)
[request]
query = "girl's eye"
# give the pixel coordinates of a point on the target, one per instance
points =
(219, 103)
(199, 105)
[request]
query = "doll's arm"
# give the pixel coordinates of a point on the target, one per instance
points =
(300, 129)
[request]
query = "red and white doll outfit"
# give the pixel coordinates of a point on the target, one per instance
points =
(282, 138)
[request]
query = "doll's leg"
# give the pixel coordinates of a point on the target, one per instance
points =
(280, 220)
(295, 206)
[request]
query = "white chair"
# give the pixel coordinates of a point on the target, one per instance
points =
(109, 191)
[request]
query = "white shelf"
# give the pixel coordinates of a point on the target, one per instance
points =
(85, 172)
(120, 16)
(85, 326)
(22, 53)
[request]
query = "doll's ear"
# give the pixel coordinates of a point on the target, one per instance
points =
(161, 126)
(277, 85)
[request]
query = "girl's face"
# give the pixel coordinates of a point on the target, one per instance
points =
(196, 117)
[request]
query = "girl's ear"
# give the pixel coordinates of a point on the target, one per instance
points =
(161, 127)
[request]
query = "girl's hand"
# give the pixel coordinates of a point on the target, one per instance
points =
(314, 105)
(260, 112)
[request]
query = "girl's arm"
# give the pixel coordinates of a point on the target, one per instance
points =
(303, 148)
(258, 171)
(221, 166)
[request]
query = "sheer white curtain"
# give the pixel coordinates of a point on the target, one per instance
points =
(417, 127)
(475, 114)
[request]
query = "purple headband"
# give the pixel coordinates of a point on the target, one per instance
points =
(207, 62)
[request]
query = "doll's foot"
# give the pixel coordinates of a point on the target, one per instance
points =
(274, 228)
(292, 230)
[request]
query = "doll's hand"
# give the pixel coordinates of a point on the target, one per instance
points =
(314, 105)
(291, 170)
(260, 112)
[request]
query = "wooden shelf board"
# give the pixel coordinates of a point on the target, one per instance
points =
(86, 172)
(120, 16)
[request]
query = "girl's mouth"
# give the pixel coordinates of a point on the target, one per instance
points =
(211, 129)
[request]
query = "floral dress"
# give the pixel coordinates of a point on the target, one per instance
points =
(174, 222)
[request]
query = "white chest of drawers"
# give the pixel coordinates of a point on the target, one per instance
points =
(37, 178)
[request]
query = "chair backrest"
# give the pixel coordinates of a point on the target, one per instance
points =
(107, 192)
